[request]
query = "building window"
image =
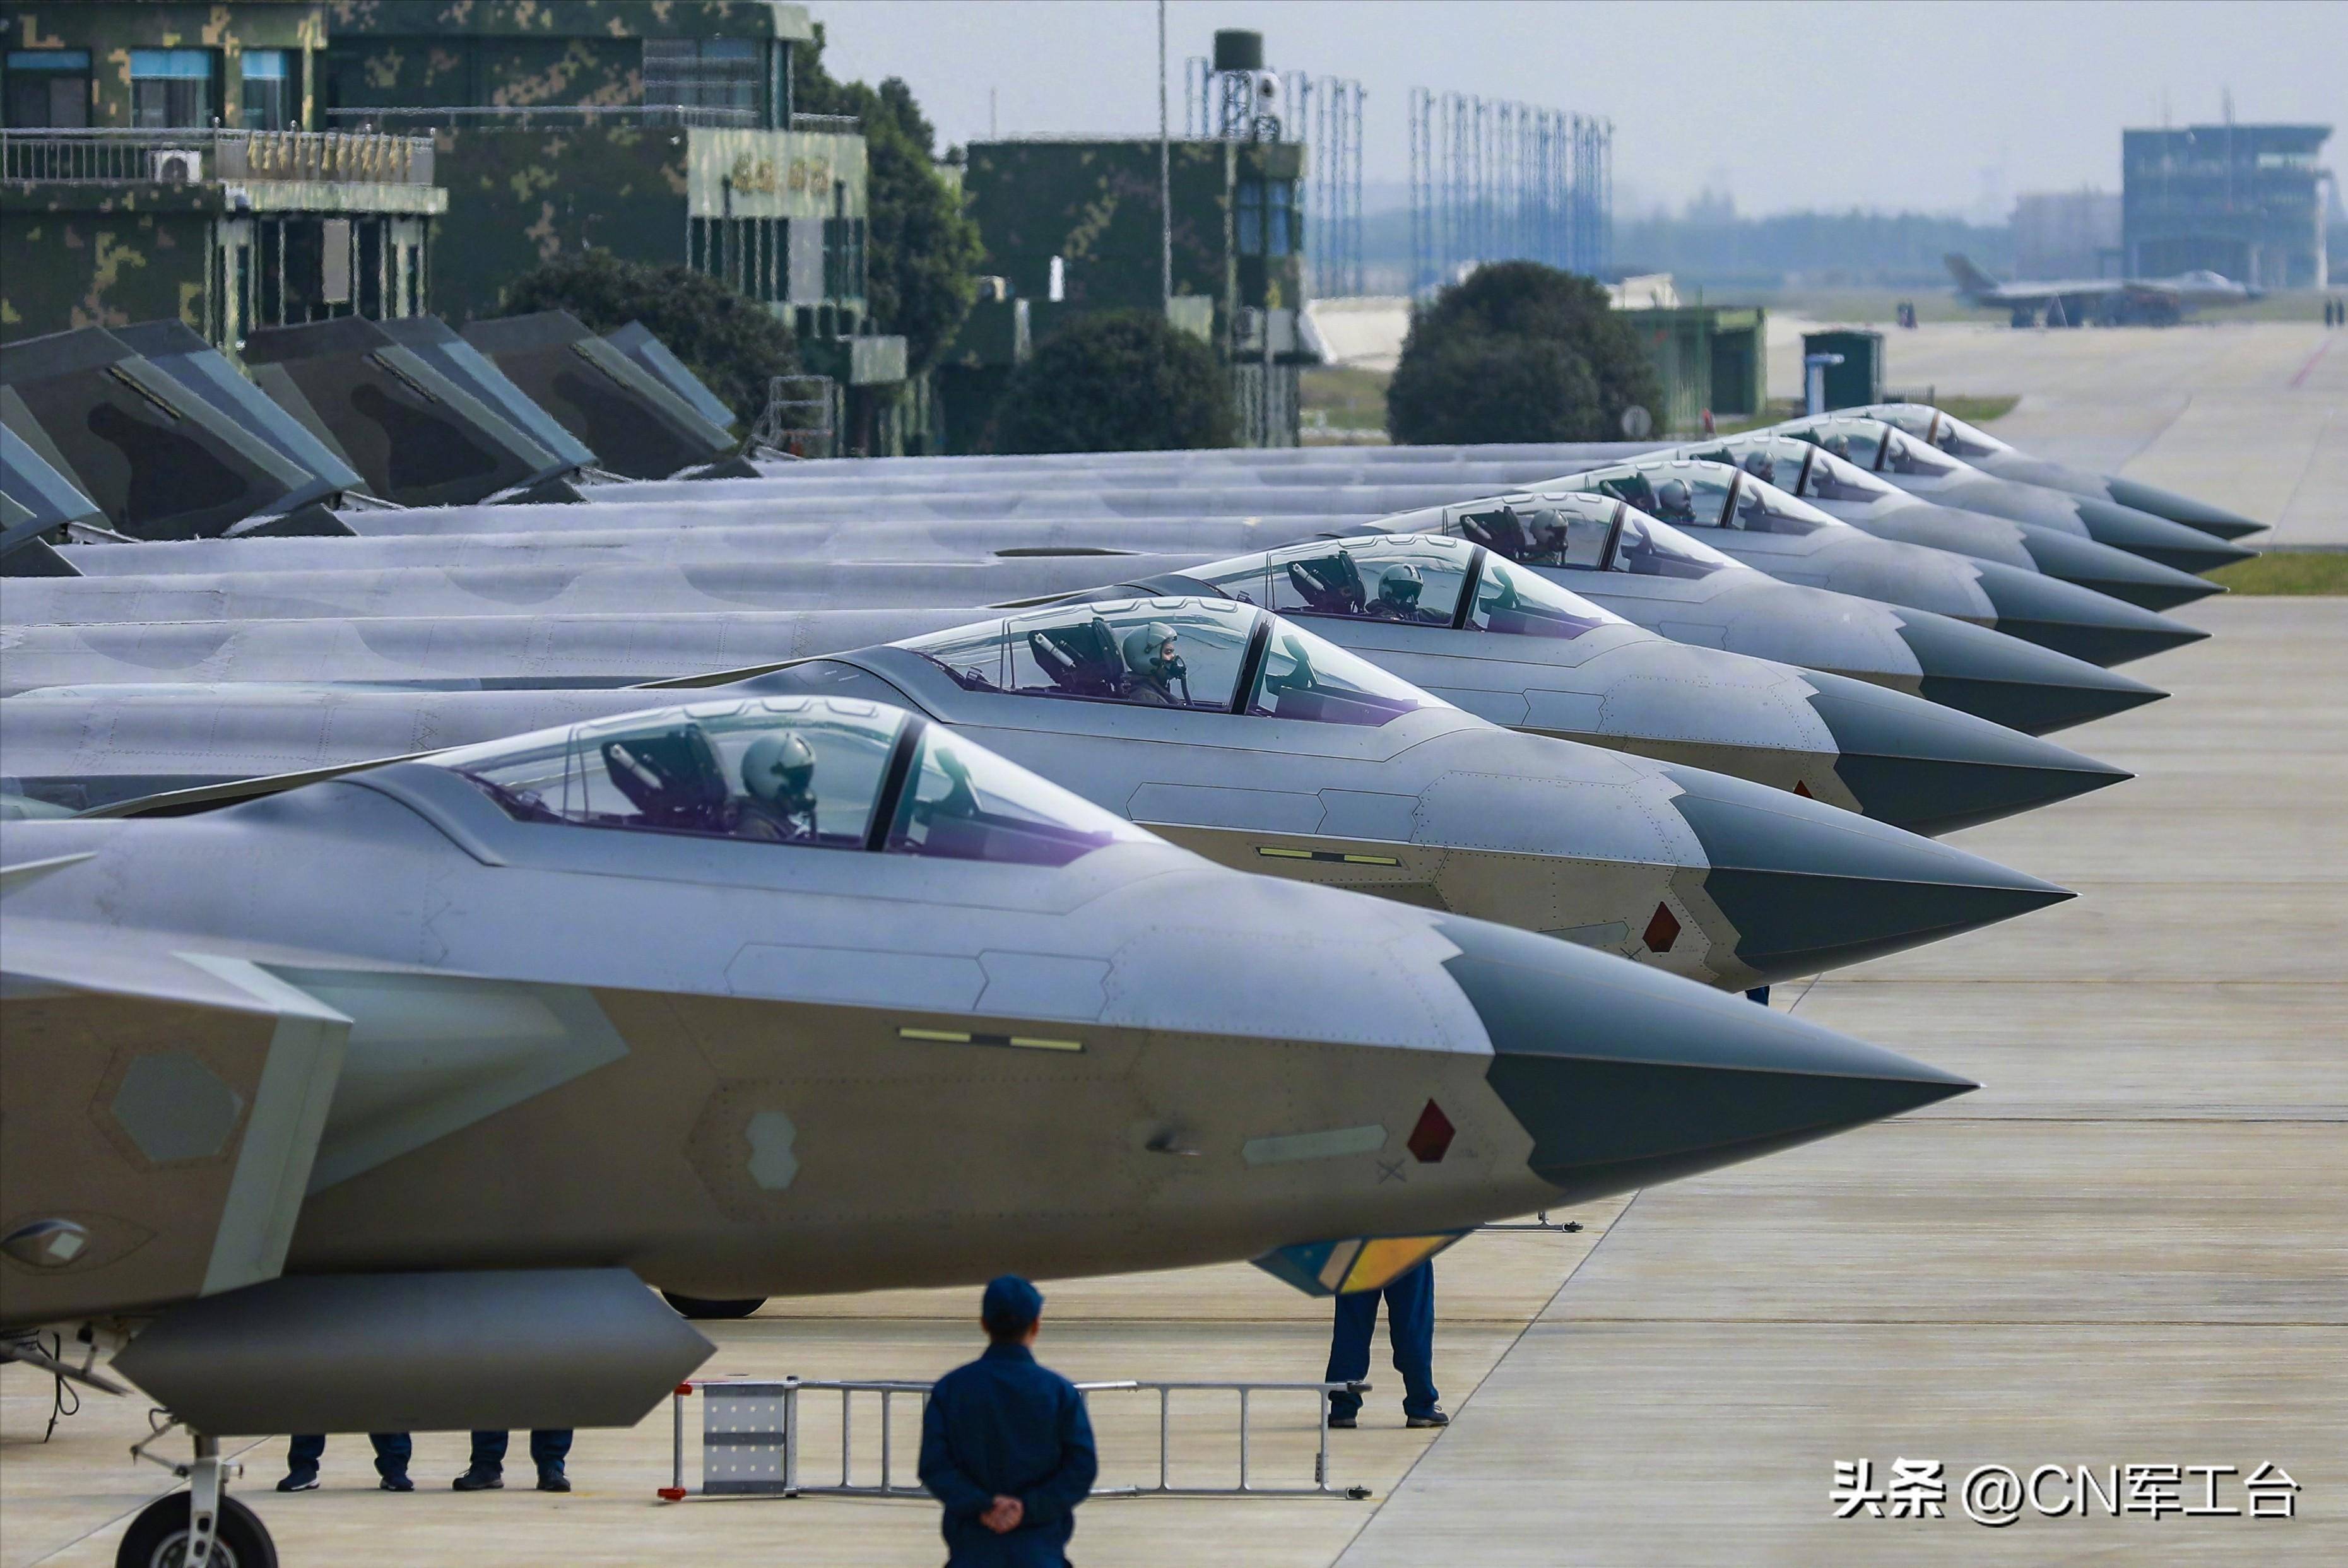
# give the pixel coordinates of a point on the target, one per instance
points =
(271, 99)
(843, 258)
(170, 88)
(1268, 219)
(48, 88)
(706, 74)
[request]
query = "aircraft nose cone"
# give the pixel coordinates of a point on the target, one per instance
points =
(2156, 538)
(1624, 1076)
(1932, 770)
(2114, 573)
(1810, 887)
(2010, 682)
(2198, 514)
(2078, 621)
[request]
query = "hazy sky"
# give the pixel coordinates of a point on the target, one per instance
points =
(1946, 106)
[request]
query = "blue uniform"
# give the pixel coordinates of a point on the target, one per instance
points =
(391, 1452)
(1410, 1325)
(1004, 1427)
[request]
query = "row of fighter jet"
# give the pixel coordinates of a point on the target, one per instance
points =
(994, 899)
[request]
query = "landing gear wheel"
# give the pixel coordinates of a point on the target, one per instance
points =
(705, 1307)
(158, 1538)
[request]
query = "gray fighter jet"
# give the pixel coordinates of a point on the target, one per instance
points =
(1644, 570)
(38, 507)
(1492, 638)
(1921, 468)
(1850, 493)
(159, 460)
(298, 1025)
(1753, 522)
(1233, 732)
(1763, 529)
(1970, 444)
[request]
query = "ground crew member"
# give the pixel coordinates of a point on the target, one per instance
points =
(1410, 1328)
(486, 1470)
(391, 1452)
(1005, 1444)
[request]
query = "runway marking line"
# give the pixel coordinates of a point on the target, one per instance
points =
(2301, 374)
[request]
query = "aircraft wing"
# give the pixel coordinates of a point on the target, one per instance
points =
(172, 1163)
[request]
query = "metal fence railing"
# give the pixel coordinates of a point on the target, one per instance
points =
(756, 1439)
(524, 116)
(198, 154)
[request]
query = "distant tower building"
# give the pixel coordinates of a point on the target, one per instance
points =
(2242, 200)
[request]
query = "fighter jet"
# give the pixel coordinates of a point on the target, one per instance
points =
(2109, 302)
(1924, 469)
(1850, 493)
(856, 1020)
(1493, 638)
(1793, 540)
(161, 461)
(1645, 571)
(1235, 733)
(1970, 444)
(1753, 522)
(38, 506)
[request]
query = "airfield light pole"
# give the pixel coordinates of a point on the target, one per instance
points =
(1165, 177)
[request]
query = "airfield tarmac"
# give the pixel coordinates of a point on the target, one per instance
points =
(2256, 411)
(2128, 1248)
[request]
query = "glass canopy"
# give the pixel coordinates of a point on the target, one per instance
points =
(1213, 655)
(822, 772)
(1582, 530)
(1413, 579)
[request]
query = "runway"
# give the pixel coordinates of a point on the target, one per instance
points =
(2254, 413)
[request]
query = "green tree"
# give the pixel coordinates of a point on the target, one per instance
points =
(729, 339)
(923, 250)
(1484, 387)
(1115, 381)
(1550, 338)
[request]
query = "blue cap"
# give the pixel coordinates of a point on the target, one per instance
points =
(1010, 1301)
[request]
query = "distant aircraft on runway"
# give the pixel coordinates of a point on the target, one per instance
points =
(2107, 301)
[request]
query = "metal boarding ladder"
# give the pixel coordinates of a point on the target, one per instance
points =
(754, 1434)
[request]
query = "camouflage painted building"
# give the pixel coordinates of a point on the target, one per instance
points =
(157, 162)
(1077, 223)
(660, 129)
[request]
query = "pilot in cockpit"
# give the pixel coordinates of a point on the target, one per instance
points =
(779, 772)
(1153, 669)
(1399, 595)
(1758, 464)
(1674, 502)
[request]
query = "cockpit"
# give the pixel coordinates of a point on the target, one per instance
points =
(1210, 656)
(1874, 445)
(1408, 579)
(1581, 530)
(1799, 468)
(817, 772)
(1945, 432)
(1708, 490)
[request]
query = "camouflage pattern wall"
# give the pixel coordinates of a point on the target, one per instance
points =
(519, 197)
(109, 31)
(143, 256)
(1095, 205)
(518, 54)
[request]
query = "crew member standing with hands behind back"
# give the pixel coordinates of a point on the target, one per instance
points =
(1005, 1444)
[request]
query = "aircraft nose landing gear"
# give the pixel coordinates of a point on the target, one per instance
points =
(201, 1527)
